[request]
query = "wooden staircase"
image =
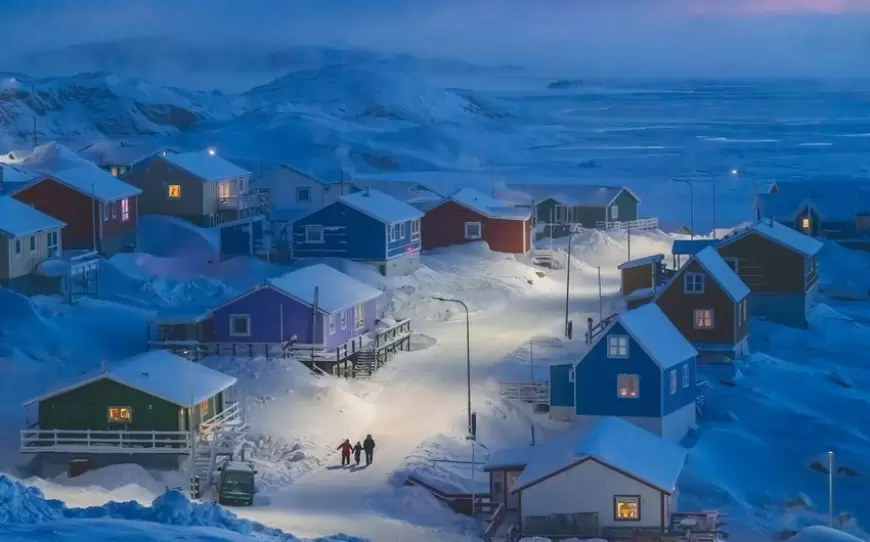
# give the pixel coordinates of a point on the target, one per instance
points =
(365, 363)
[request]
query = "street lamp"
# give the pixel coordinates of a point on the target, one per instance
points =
(211, 151)
(467, 352)
(738, 173)
(691, 202)
(571, 231)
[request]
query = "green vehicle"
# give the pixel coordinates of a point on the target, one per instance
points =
(236, 484)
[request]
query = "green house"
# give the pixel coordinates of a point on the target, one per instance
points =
(154, 409)
(587, 206)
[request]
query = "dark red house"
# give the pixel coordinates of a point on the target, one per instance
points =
(469, 215)
(100, 210)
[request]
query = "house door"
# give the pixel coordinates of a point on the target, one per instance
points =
(496, 487)
(512, 500)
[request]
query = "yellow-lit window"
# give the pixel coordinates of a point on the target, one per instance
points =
(628, 386)
(703, 318)
(805, 223)
(120, 414)
(115, 171)
(626, 508)
(203, 408)
(224, 190)
(174, 191)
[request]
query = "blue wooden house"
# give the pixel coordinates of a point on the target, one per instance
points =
(641, 369)
(368, 226)
(562, 391)
(316, 305)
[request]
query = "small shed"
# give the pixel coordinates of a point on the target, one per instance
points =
(612, 479)
(28, 237)
(470, 215)
(683, 249)
(640, 277)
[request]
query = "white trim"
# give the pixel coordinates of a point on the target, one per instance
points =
(331, 323)
(703, 317)
(686, 376)
(344, 319)
(416, 224)
(672, 381)
(571, 375)
(614, 212)
(694, 274)
(470, 237)
(616, 197)
(359, 316)
(633, 378)
(246, 317)
(618, 346)
(309, 199)
(309, 228)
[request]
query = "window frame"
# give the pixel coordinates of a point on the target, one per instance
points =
(18, 247)
(204, 409)
(125, 210)
(173, 194)
(359, 316)
(114, 206)
(415, 229)
(300, 190)
(479, 235)
(571, 375)
(233, 318)
(33, 243)
(105, 212)
(119, 420)
(805, 224)
(672, 381)
(397, 232)
(614, 212)
(745, 312)
(686, 282)
(635, 499)
(619, 347)
(331, 324)
(313, 228)
(52, 248)
(619, 387)
(686, 379)
(343, 318)
(695, 320)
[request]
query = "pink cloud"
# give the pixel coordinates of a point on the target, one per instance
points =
(781, 6)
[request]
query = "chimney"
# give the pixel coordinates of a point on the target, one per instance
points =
(368, 191)
(589, 331)
(532, 436)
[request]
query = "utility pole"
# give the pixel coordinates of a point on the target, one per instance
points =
(467, 355)
(600, 297)
(714, 211)
(691, 203)
(831, 489)
(568, 279)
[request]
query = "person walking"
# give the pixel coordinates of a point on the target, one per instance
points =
(346, 448)
(357, 450)
(369, 447)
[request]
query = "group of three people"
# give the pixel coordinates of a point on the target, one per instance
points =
(367, 446)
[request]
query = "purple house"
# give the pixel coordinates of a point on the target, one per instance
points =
(315, 305)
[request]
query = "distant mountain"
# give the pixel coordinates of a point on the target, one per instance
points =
(563, 84)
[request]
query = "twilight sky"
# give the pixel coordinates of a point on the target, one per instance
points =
(643, 37)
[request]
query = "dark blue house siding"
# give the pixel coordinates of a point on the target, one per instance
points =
(349, 234)
(561, 388)
(683, 396)
(241, 238)
(596, 381)
(265, 307)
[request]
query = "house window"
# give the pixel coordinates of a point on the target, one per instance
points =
(732, 263)
(703, 319)
(805, 224)
(343, 319)
(415, 230)
(397, 232)
(303, 194)
(626, 508)
(693, 283)
(744, 310)
(125, 210)
(240, 325)
(115, 171)
(174, 191)
(571, 375)
(105, 212)
(52, 244)
(628, 386)
(17, 247)
(203, 408)
(564, 215)
(614, 212)
(314, 234)
(114, 206)
(685, 376)
(672, 377)
(359, 316)
(473, 230)
(225, 190)
(120, 414)
(32, 243)
(617, 346)
(331, 324)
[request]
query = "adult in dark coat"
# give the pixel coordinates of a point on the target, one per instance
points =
(369, 447)
(357, 450)
(346, 448)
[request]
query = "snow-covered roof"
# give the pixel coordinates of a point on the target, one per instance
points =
(640, 293)
(566, 194)
(63, 165)
(18, 219)
(337, 291)
(488, 206)
(238, 466)
(114, 153)
(205, 165)
(779, 234)
(381, 207)
(655, 258)
(407, 191)
(14, 177)
(161, 374)
(518, 456)
(615, 443)
(655, 333)
(687, 247)
(722, 273)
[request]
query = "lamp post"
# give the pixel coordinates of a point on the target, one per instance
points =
(740, 173)
(691, 202)
(467, 351)
(571, 232)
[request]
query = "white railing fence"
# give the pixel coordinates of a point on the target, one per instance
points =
(231, 413)
(643, 224)
(153, 442)
(528, 392)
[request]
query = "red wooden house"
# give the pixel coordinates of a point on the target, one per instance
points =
(469, 215)
(100, 211)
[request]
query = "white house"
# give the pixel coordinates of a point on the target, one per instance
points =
(290, 188)
(613, 477)
(28, 237)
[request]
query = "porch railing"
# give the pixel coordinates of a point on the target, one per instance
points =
(90, 441)
(643, 224)
(232, 413)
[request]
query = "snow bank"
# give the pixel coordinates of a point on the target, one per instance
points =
(23, 505)
(168, 236)
(593, 248)
(818, 533)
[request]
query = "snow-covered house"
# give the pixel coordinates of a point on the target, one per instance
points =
(286, 187)
(118, 157)
(830, 209)
(368, 226)
(708, 303)
(155, 409)
(780, 267)
(28, 237)
(639, 279)
(99, 210)
(199, 186)
(639, 368)
(612, 480)
(470, 215)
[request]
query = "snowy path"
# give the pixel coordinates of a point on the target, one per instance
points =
(423, 397)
